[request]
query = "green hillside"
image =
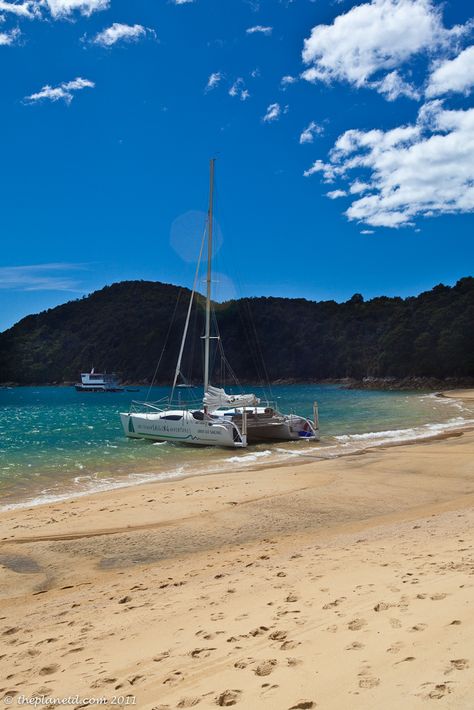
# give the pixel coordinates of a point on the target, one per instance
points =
(123, 328)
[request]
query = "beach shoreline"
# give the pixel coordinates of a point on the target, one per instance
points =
(334, 583)
(99, 479)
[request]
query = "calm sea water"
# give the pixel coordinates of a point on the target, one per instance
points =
(57, 443)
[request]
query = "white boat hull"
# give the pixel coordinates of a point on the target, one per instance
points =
(158, 426)
(266, 424)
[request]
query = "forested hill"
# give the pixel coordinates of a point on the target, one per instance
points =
(123, 328)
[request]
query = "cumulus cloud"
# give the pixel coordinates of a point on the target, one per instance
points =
(214, 79)
(118, 32)
(238, 89)
(9, 38)
(334, 194)
(456, 75)
(62, 92)
(367, 43)
(259, 29)
(273, 113)
(422, 169)
(64, 8)
(287, 80)
(392, 86)
(313, 129)
(182, 2)
(27, 9)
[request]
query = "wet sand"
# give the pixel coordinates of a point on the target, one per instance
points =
(346, 583)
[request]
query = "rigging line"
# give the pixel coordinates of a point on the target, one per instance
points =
(188, 315)
(165, 344)
(225, 362)
(257, 341)
(251, 344)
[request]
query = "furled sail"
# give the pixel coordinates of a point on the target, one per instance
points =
(216, 397)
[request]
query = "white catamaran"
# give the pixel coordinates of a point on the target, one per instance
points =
(220, 419)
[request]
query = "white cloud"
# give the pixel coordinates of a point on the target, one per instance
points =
(259, 29)
(273, 113)
(62, 92)
(334, 194)
(9, 38)
(118, 32)
(358, 187)
(64, 8)
(214, 79)
(453, 75)
(376, 37)
(39, 277)
(424, 169)
(238, 89)
(392, 86)
(367, 231)
(182, 2)
(24, 9)
(287, 80)
(307, 136)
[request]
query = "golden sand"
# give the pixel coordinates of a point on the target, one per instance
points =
(330, 584)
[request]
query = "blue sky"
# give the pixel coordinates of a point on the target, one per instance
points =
(355, 173)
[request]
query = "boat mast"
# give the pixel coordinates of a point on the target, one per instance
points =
(207, 335)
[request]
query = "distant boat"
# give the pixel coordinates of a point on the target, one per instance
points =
(99, 382)
(219, 419)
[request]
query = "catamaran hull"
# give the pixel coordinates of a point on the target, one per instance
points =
(186, 431)
(279, 432)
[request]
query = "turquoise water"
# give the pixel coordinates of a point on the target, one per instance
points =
(56, 442)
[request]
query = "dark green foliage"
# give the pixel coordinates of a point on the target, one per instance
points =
(124, 328)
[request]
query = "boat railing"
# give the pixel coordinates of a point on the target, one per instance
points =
(164, 404)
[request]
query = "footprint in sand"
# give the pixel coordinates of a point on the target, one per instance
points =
(437, 597)
(243, 663)
(201, 652)
(395, 623)
(303, 705)
(418, 627)
(370, 682)
(336, 602)
(439, 691)
(382, 606)
(188, 702)
(457, 664)
(161, 656)
(266, 667)
(278, 635)
(294, 661)
(174, 678)
(287, 645)
(258, 631)
(49, 670)
(356, 624)
(395, 647)
(354, 646)
(228, 697)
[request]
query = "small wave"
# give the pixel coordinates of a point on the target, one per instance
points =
(249, 458)
(395, 435)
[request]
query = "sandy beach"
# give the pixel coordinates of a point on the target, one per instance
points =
(345, 583)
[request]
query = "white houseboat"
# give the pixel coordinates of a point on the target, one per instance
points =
(99, 382)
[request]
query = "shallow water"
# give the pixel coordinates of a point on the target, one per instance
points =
(57, 443)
